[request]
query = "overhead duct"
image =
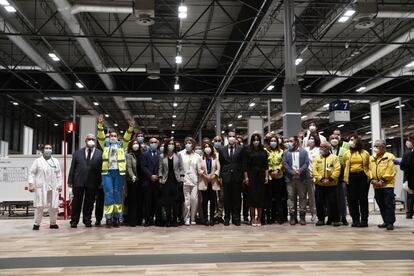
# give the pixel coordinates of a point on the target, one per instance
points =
(102, 7)
(31, 53)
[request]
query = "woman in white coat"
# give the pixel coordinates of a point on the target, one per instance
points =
(45, 180)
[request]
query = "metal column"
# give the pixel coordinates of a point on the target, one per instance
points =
(291, 90)
(74, 131)
(218, 117)
(268, 116)
(376, 122)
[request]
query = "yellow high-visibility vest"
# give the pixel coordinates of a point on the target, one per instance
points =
(121, 161)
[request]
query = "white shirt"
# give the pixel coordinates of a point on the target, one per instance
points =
(86, 152)
(230, 148)
(190, 162)
(312, 154)
(335, 150)
(295, 160)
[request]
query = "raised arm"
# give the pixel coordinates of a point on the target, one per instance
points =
(101, 132)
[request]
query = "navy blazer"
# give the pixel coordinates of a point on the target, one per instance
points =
(149, 166)
(407, 165)
(82, 174)
(303, 164)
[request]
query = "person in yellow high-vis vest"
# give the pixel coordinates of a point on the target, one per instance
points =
(113, 170)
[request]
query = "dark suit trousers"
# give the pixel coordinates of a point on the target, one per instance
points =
(232, 200)
(99, 204)
(134, 203)
(385, 198)
(85, 196)
(326, 199)
(151, 194)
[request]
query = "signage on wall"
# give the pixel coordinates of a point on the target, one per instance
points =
(339, 111)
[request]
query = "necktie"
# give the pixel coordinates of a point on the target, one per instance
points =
(231, 152)
(89, 156)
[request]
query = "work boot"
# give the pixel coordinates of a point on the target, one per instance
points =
(302, 218)
(292, 219)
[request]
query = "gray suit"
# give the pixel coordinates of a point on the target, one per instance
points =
(177, 165)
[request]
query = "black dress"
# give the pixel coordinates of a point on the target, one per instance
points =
(170, 191)
(255, 164)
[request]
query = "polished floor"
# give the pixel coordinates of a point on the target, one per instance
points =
(201, 250)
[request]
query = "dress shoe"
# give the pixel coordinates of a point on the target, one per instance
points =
(226, 223)
(408, 216)
(147, 224)
(88, 225)
(319, 223)
(329, 222)
(292, 220)
(390, 226)
(108, 223)
(344, 221)
(212, 222)
(54, 226)
(116, 223)
(237, 223)
(336, 223)
(362, 224)
(36, 227)
(355, 224)
(73, 225)
(97, 223)
(384, 225)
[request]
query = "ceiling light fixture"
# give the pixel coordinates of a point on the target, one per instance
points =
(79, 85)
(252, 104)
(176, 86)
(38, 115)
(4, 3)
(365, 117)
(343, 19)
(349, 13)
(54, 57)
(182, 12)
(175, 104)
(341, 125)
(107, 115)
(10, 8)
(239, 117)
(298, 61)
(270, 87)
(362, 88)
(178, 59)
(95, 103)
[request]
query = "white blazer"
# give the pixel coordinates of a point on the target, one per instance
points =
(202, 170)
(46, 176)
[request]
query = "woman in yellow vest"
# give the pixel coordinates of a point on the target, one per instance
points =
(113, 170)
(356, 175)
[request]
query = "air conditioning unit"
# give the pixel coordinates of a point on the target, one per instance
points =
(366, 11)
(144, 10)
(153, 70)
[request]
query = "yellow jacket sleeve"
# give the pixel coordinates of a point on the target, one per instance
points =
(336, 169)
(101, 135)
(390, 171)
(127, 137)
(316, 171)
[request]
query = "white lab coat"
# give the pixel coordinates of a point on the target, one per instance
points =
(44, 178)
(190, 162)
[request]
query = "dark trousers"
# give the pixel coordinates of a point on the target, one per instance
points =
(278, 205)
(150, 206)
(385, 199)
(134, 203)
(99, 204)
(85, 196)
(245, 205)
(232, 200)
(358, 188)
(171, 213)
(410, 204)
(209, 195)
(341, 198)
(326, 199)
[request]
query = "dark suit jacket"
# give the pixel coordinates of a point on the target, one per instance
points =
(407, 165)
(82, 174)
(231, 169)
(149, 166)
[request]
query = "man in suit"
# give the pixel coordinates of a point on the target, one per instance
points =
(150, 184)
(231, 160)
(407, 165)
(84, 179)
(296, 162)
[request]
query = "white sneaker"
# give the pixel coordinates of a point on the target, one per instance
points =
(193, 223)
(187, 222)
(313, 218)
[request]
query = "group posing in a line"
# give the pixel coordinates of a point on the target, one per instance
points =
(158, 183)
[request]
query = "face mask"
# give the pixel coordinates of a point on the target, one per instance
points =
(352, 144)
(409, 144)
(140, 139)
(170, 147)
(154, 146)
(161, 149)
(376, 150)
(312, 128)
(199, 151)
(311, 143)
(106, 140)
(207, 151)
(241, 144)
(290, 146)
(321, 152)
(256, 143)
(217, 145)
(113, 140)
(273, 145)
(232, 140)
(135, 147)
(91, 143)
(188, 147)
(334, 142)
(47, 152)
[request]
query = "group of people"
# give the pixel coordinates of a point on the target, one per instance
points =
(271, 180)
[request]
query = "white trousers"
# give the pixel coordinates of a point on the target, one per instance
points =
(190, 202)
(53, 212)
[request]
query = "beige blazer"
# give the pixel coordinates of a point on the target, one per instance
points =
(202, 170)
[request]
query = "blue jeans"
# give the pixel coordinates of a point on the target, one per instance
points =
(113, 185)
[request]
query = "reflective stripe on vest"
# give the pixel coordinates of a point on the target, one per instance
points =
(120, 160)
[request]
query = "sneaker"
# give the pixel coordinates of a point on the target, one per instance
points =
(187, 222)
(193, 223)
(54, 226)
(36, 227)
(313, 218)
(390, 226)
(319, 223)
(384, 225)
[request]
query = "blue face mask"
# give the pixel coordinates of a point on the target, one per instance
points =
(273, 145)
(188, 147)
(199, 151)
(217, 145)
(290, 146)
(140, 139)
(154, 146)
(161, 149)
(311, 143)
(47, 152)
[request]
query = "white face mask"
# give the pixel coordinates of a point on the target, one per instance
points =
(232, 140)
(311, 143)
(409, 144)
(312, 128)
(135, 147)
(207, 151)
(334, 142)
(91, 143)
(170, 147)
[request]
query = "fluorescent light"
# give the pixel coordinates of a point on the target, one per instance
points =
(343, 19)
(276, 100)
(182, 15)
(175, 104)
(298, 61)
(178, 59)
(400, 106)
(388, 146)
(176, 86)
(95, 103)
(10, 8)
(394, 126)
(326, 105)
(349, 13)
(252, 104)
(172, 131)
(4, 3)
(365, 117)
(115, 124)
(230, 125)
(121, 131)
(54, 57)
(107, 115)
(55, 124)
(390, 138)
(137, 99)
(304, 116)
(321, 132)
(270, 87)
(126, 69)
(38, 115)
(239, 117)
(173, 125)
(362, 88)
(79, 85)
(172, 137)
(341, 125)
(182, 8)
(59, 98)
(15, 103)
(222, 132)
(174, 116)
(368, 132)
(411, 64)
